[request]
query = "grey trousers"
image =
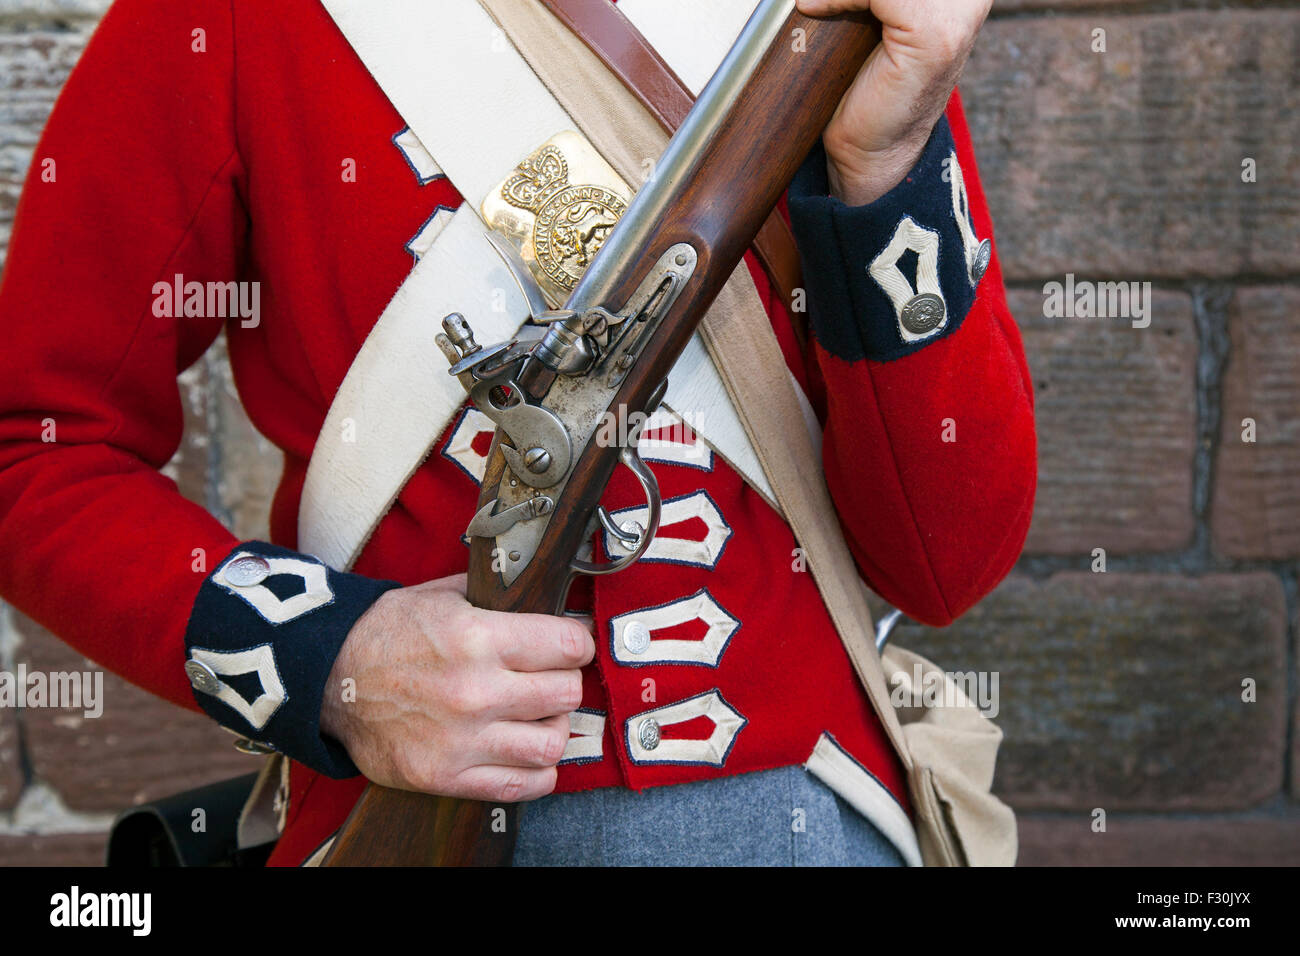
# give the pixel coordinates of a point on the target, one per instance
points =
(783, 817)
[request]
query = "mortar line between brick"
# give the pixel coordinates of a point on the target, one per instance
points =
(1210, 311)
(1116, 11)
(1186, 562)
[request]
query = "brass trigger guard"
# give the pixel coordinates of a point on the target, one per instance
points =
(650, 485)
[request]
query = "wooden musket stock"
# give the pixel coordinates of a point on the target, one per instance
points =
(746, 166)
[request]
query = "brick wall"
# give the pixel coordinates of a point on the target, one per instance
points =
(1120, 691)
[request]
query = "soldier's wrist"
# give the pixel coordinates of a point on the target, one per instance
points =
(866, 176)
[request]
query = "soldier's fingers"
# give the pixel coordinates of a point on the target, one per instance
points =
(536, 696)
(504, 784)
(540, 642)
(529, 744)
(828, 8)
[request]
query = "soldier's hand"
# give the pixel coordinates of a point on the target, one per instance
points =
(885, 119)
(455, 700)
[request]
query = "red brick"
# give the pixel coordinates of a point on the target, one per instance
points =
(1256, 508)
(1152, 841)
(1123, 691)
(63, 849)
(1116, 417)
(1127, 164)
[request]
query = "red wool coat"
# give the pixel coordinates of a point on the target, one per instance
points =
(225, 164)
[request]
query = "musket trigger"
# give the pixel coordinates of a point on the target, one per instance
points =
(632, 537)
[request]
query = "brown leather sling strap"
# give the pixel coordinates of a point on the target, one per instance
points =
(610, 35)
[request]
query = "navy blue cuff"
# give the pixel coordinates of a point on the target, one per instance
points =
(261, 641)
(886, 279)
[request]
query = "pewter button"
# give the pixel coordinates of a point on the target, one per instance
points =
(982, 256)
(923, 313)
(636, 638)
(201, 677)
(248, 571)
(648, 733)
(631, 527)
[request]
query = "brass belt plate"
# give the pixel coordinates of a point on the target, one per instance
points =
(557, 208)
